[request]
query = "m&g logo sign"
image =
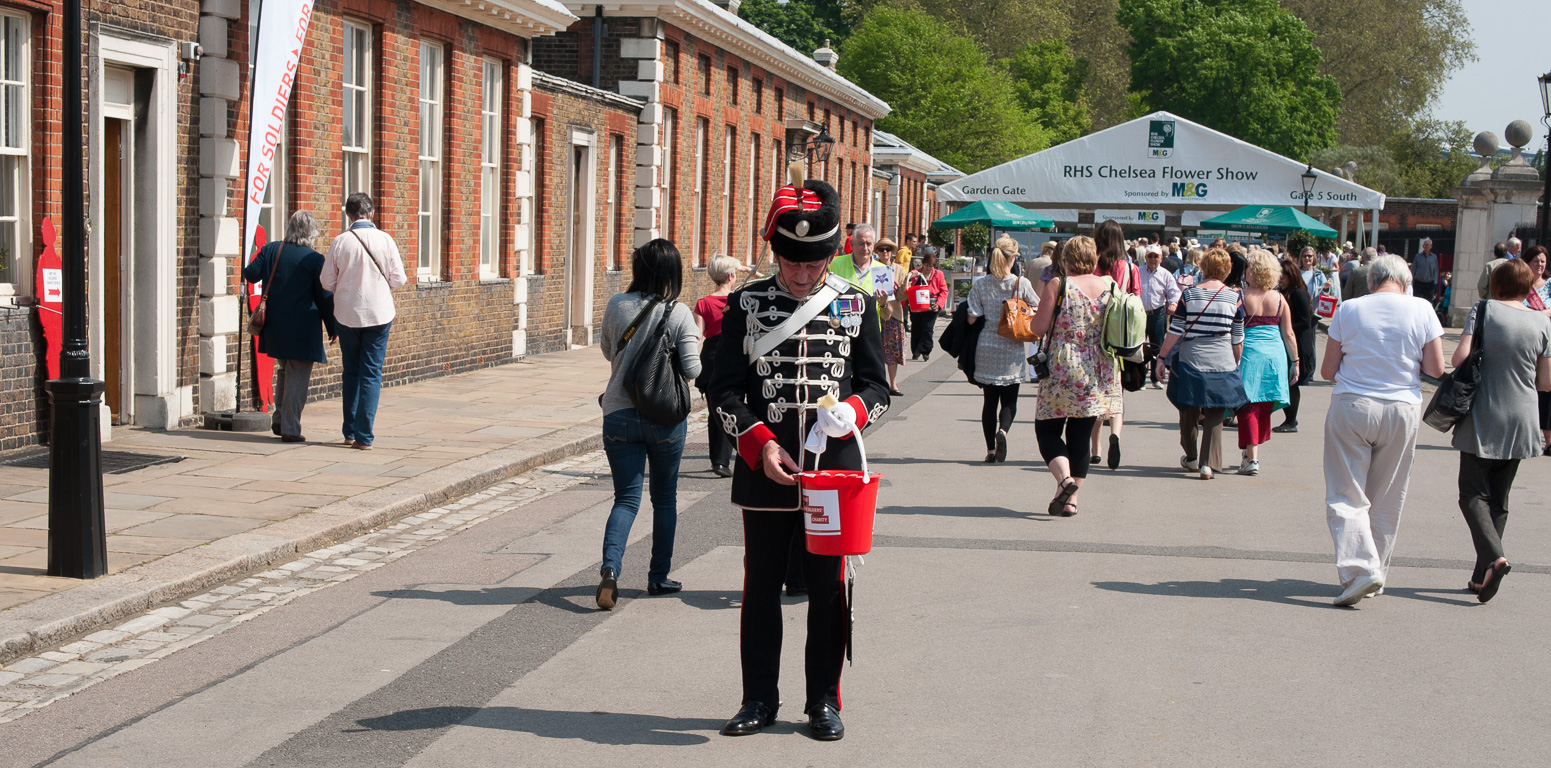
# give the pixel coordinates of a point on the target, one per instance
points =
(1189, 189)
(1160, 138)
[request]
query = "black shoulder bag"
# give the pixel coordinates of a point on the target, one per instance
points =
(1457, 388)
(654, 383)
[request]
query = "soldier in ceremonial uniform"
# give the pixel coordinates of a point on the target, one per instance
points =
(791, 340)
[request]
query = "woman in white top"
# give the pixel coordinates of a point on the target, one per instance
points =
(1380, 344)
(999, 361)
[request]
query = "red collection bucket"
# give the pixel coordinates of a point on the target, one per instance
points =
(920, 299)
(839, 507)
(1325, 306)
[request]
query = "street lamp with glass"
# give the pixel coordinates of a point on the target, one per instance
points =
(1309, 177)
(1545, 160)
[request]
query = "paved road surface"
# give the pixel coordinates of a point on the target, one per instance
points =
(1172, 622)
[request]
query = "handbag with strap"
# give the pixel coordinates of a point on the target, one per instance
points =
(653, 382)
(1173, 357)
(373, 259)
(1017, 321)
(1457, 389)
(1040, 360)
(258, 316)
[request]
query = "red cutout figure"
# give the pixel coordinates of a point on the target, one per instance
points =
(263, 365)
(51, 298)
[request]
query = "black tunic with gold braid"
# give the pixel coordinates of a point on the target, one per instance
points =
(839, 352)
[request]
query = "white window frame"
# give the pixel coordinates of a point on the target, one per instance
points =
(669, 143)
(356, 100)
(754, 160)
(611, 229)
(272, 212)
(701, 129)
(16, 142)
(492, 129)
(729, 156)
(432, 90)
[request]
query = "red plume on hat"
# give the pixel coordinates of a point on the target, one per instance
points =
(804, 222)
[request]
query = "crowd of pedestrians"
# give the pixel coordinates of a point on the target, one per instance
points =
(1231, 331)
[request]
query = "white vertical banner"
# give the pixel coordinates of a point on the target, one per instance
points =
(277, 49)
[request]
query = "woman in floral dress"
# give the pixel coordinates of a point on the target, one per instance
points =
(1082, 384)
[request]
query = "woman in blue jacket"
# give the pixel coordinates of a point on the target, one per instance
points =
(297, 303)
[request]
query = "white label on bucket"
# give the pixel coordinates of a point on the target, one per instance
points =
(821, 512)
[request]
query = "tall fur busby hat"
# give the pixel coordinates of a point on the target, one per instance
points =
(804, 222)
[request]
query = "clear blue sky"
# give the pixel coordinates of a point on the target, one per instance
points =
(1501, 86)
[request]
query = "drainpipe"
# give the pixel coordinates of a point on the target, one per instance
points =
(597, 46)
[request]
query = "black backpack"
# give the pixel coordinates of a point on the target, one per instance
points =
(654, 383)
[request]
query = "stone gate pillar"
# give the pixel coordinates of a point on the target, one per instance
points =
(1492, 205)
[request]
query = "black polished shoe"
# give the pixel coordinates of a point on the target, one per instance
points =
(292, 439)
(721, 470)
(824, 723)
(1285, 429)
(608, 590)
(752, 718)
(664, 587)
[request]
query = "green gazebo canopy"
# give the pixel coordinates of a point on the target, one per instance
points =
(1279, 219)
(993, 213)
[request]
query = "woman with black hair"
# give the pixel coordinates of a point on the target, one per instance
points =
(632, 442)
(1302, 305)
(1110, 240)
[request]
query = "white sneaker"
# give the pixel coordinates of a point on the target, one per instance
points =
(1249, 467)
(1360, 589)
(1206, 472)
(1190, 466)
(1155, 385)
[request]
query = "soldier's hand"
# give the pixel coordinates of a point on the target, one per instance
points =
(776, 461)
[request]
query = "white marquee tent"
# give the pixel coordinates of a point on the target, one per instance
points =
(1159, 163)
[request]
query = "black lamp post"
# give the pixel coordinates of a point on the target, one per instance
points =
(1309, 177)
(77, 536)
(1545, 160)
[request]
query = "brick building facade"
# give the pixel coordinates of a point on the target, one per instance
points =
(517, 150)
(724, 103)
(908, 203)
(141, 167)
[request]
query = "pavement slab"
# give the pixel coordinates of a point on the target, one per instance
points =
(230, 483)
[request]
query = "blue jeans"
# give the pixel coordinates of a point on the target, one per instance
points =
(632, 443)
(361, 352)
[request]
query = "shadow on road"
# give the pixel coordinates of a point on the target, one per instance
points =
(985, 512)
(571, 600)
(1444, 596)
(1285, 591)
(597, 727)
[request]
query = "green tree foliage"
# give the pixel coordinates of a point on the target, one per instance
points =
(1376, 168)
(1097, 37)
(1001, 27)
(1244, 67)
(1390, 58)
(1425, 160)
(1433, 156)
(1049, 84)
(802, 24)
(947, 98)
